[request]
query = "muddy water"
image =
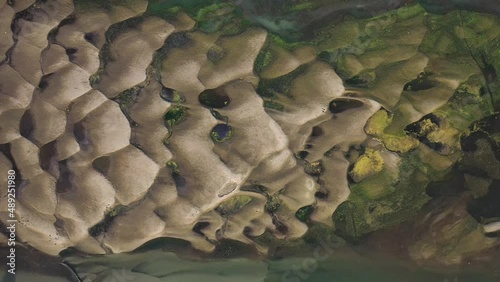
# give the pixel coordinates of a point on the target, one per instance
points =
(339, 265)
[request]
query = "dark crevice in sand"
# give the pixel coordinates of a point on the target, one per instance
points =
(15, 32)
(26, 126)
(6, 150)
(48, 158)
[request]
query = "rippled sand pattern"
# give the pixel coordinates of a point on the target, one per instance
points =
(82, 122)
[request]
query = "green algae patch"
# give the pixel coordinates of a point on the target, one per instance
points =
(263, 60)
(304, 213)
(369, 164)
(175, 115)
(270, 104)
(233, 204)
(304, 6)
(173, 166)
(172, 95)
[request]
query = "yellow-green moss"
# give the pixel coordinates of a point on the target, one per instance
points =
(213, 11)
(399, 144)
(376, 126)
(302, 6)
(173, 166)
(445, 134)
(369, 164)
(378, 122)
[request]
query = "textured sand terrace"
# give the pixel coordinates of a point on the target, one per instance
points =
(80, 156)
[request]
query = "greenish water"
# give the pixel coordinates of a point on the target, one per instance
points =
(323, 265)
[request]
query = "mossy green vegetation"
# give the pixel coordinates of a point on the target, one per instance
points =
(106, 223)
(219, 116)
(315, 168)
(219, 17)
(126, 99)
(469, 35)
(215, 54)
(377, 186)
(271, 88)
(96, 78)
(233, 204)
(467, 104)
(213, 11)
(302, 6)
(273, 203)
(173, 166)
(264, 58)
(106, 5)
(167, 13)
(256, 188)
(366, 211)
(288, 45)
(270, 104)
